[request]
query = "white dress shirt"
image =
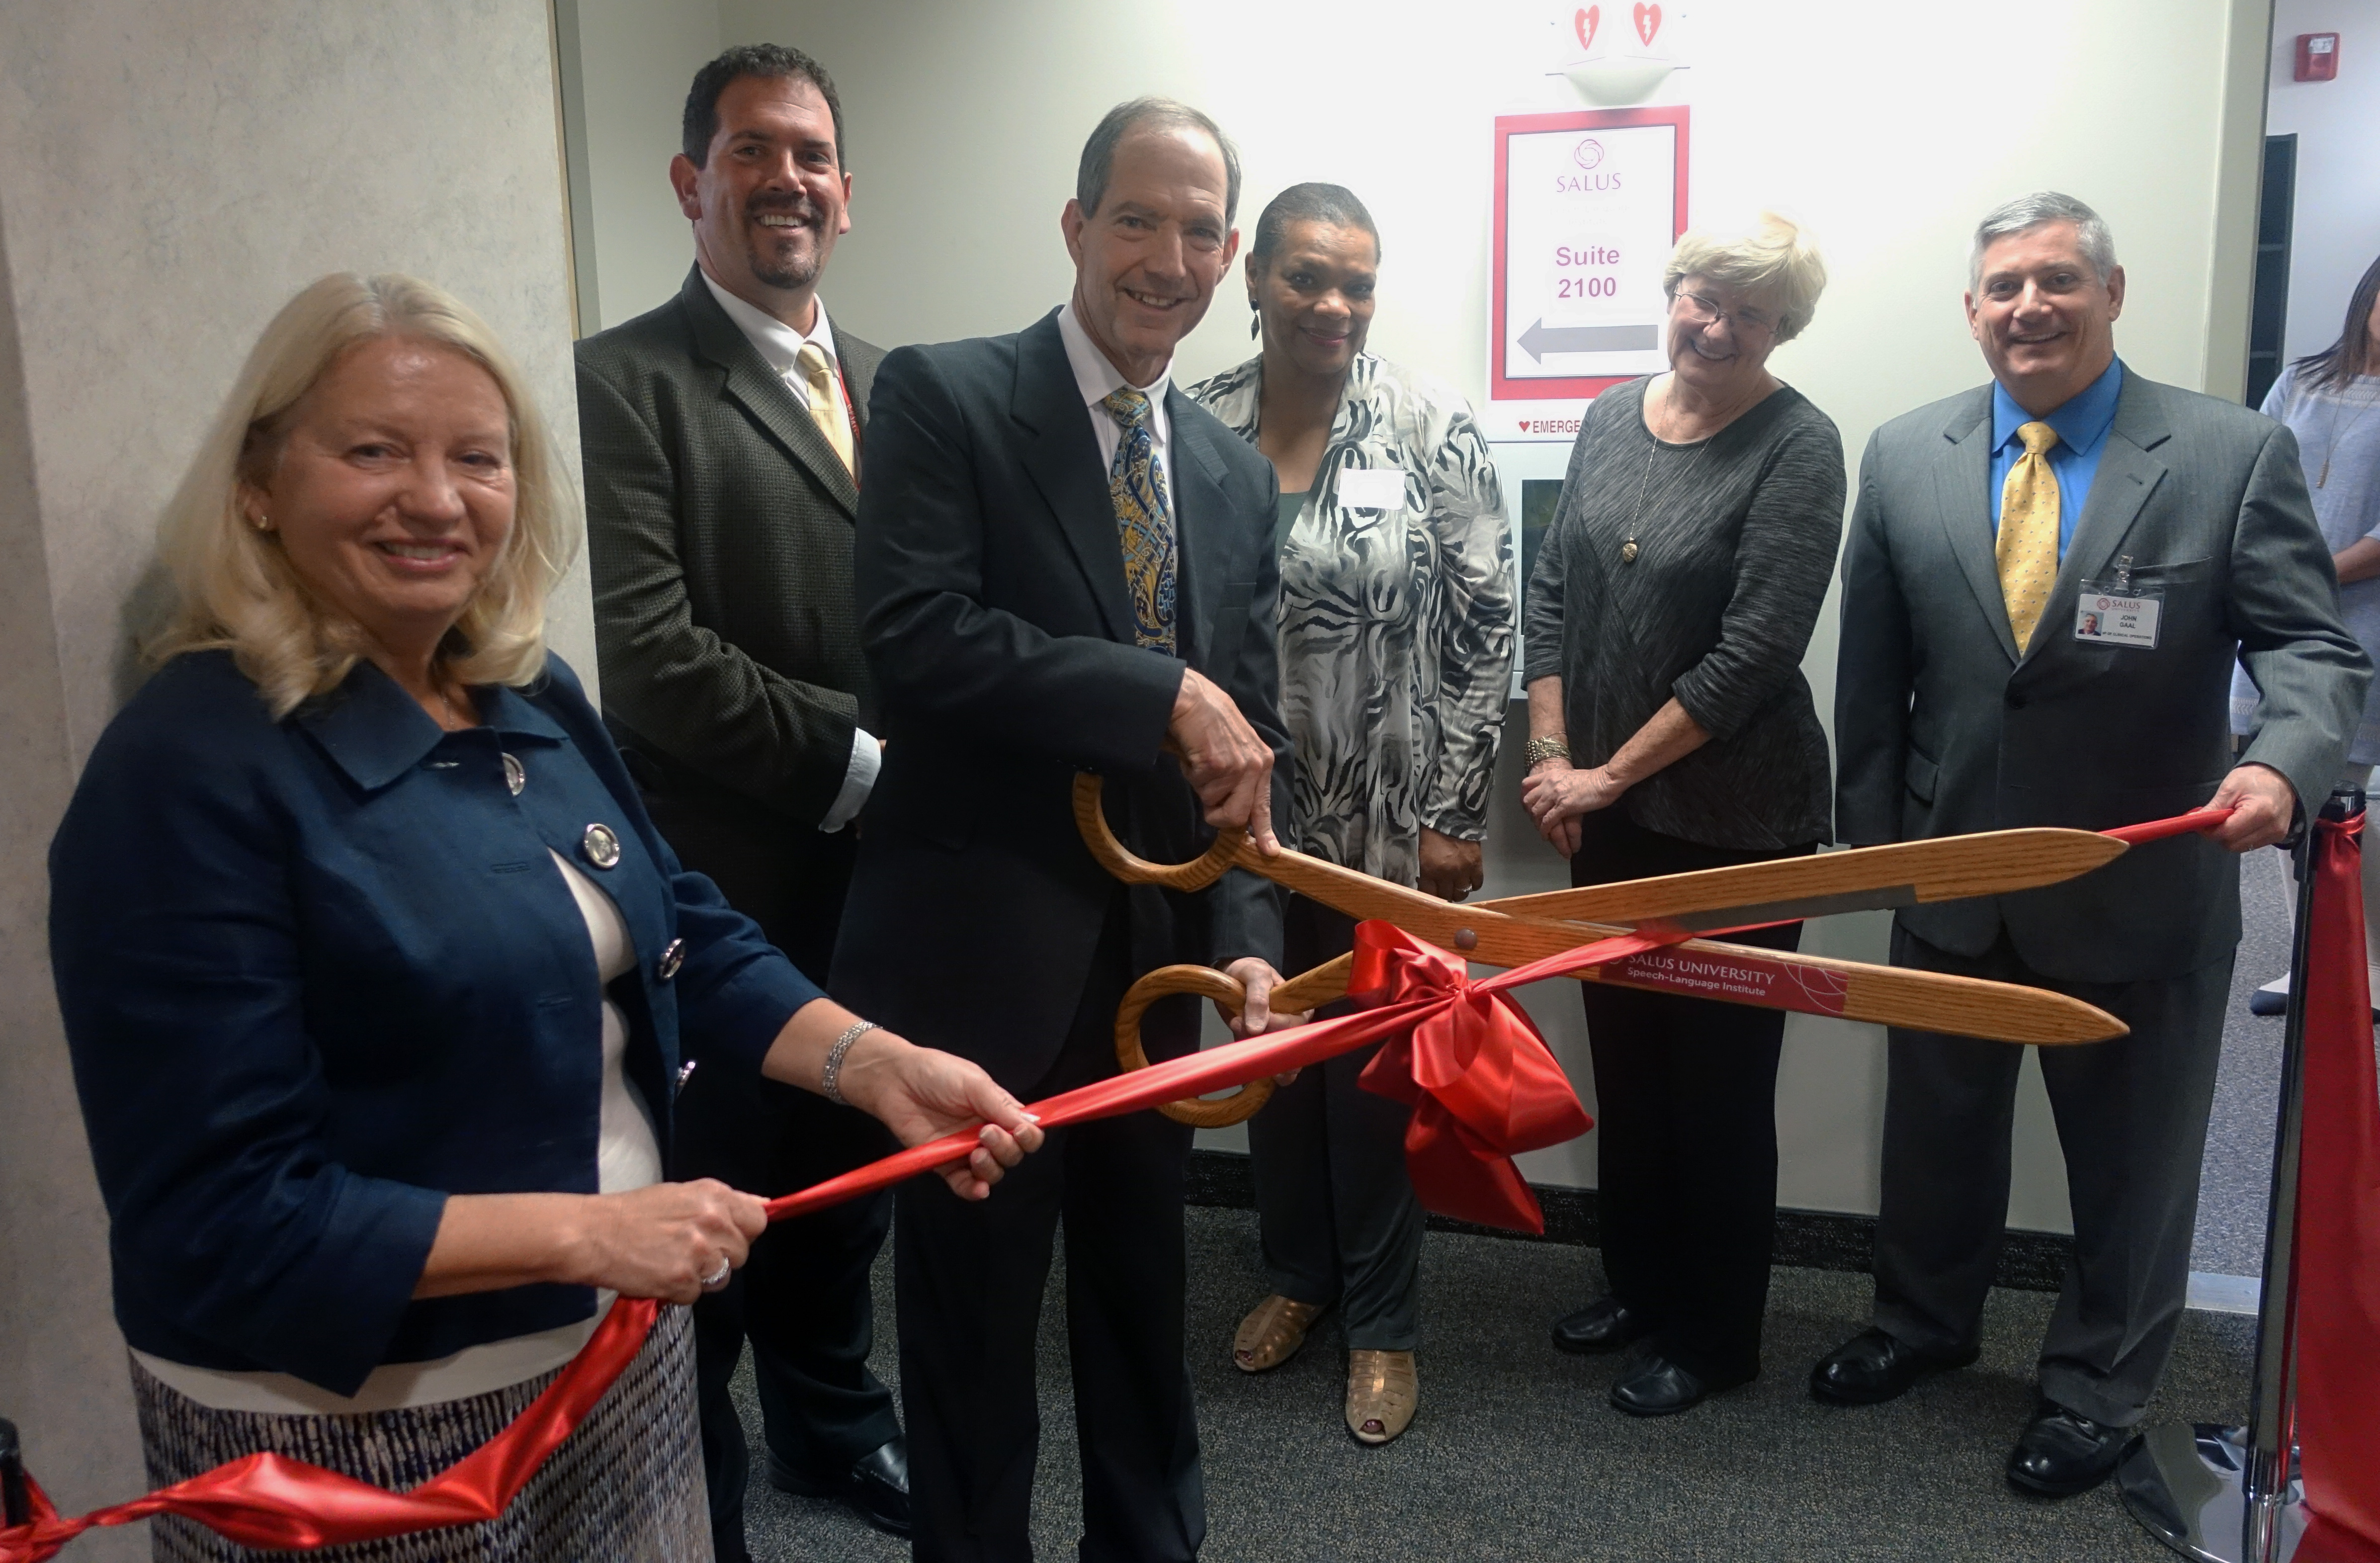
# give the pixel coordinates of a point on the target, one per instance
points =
(1096, 377)
(781, 345)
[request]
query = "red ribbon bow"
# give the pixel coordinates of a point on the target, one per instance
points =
(1482, 1085)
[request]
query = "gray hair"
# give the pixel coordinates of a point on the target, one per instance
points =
(1163, 114)
(1775, 258)
(2031, 212)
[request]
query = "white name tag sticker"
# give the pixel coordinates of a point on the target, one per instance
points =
(2104, 616)
(1372, 488)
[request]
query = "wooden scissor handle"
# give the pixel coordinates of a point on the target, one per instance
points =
(1112, 855)
(1305, 991)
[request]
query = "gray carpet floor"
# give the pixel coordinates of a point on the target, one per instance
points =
(2235, 1179)
(1515, 1454)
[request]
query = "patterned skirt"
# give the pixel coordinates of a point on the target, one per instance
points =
(625, 1485)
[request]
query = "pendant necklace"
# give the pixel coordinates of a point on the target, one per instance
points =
(1628, 549)
(2323, 479)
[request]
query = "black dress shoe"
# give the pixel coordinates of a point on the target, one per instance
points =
(2062, 1452)
(1605, 1324)
(1873, 1367)
(1657, 1386)
(875, 1486)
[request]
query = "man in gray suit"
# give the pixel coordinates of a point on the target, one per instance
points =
(720, 435)
(1970, 697)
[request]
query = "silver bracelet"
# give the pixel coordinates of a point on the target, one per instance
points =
(834, 1071)
(1543, 750)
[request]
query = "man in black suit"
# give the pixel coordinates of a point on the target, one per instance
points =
(719, 434)
(1064, 563)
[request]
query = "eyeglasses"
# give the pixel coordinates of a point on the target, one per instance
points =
(1703, 311)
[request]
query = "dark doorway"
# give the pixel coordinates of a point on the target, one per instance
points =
(2268, 316)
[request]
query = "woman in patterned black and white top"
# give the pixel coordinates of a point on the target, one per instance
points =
(1396, 642)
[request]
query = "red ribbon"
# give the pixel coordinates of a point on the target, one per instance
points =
(275, 1504)
(1465, 1057)
(2179, 825)
(1485, 1088)
(2336, 1254)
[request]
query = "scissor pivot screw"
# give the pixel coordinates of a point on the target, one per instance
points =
(1465, 940)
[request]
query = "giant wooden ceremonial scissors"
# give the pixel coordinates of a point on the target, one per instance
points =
(1518, 929)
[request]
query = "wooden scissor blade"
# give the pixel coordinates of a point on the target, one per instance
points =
(1860, 879)
(1819, 985)
(1813, 985)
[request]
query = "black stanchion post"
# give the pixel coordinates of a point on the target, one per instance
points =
(2230, 1495)
(16, 1503)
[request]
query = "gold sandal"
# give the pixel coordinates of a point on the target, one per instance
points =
(1382, 1394)
(1272, 1332)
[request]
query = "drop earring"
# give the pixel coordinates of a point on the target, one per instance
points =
(1256, 321)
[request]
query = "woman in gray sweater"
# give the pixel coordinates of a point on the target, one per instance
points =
(1670, 730)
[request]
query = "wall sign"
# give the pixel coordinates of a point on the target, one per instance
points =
(1588, 205)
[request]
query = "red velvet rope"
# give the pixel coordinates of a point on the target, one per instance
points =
(2336, 1258)
(1463, 1054)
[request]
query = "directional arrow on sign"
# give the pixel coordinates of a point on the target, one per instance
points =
(1541, 339)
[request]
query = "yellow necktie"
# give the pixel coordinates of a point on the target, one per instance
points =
(819, 375)
(2027, 551)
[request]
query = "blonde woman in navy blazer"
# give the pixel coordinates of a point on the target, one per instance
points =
(377, 977)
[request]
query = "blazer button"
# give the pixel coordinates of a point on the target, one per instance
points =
(515, 777)
(671, 959)
(600, 846)
(2015, 701)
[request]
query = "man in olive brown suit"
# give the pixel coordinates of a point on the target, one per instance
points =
(720, 436)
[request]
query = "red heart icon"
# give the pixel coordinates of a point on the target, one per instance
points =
(1648, 23)
(1584, 23)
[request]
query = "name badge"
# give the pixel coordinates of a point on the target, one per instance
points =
(2118, 613)
(1372, 488)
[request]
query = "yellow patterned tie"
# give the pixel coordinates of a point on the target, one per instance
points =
(1143, 520)
(819, 375)
(2028, 543)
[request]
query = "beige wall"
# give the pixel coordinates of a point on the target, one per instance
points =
(173, 174)
(1887, 127)
(634, 61)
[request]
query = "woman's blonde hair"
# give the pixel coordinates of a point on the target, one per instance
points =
(1775, 255)
(234, 587)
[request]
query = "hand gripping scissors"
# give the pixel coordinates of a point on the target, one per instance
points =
(1515, 931)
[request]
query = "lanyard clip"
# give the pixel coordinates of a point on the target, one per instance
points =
(2124, 576)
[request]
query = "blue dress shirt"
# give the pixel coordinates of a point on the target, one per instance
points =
(318, 974)
(2081, 424)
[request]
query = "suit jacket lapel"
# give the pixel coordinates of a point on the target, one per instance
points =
(1064, 457)
(747, 381)
(2126, 474)
(857, 360)
(1962, 475)
(1202, 529)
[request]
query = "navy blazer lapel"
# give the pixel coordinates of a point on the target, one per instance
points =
(1962, 477)
(747, 381)
(1064, 457)
(2128, 473)
(1202, 528)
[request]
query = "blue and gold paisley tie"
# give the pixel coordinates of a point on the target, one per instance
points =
(1143, 520)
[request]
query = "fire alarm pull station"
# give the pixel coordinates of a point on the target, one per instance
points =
(2317, 56)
